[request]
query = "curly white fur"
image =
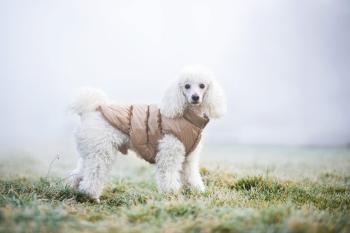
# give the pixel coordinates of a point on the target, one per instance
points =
(190, 174)
(174, 101)
(87, 100)
(98, 141)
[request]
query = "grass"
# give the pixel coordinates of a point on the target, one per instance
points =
(232, 203)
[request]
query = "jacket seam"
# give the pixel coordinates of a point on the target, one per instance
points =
(130, 117)
(195, 144)
(147, 124)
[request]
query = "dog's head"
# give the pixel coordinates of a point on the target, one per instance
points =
(195, 87)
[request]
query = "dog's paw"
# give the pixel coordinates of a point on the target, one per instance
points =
(199, 187)
(170, 187)
(75, 182)
(93, 194)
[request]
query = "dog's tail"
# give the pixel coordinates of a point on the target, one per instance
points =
(88, 100)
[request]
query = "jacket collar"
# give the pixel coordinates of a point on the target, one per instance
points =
(195, 119)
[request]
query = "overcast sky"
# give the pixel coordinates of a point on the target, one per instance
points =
(285, 65)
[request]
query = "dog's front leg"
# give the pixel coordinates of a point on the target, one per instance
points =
(169, 159)
(190, 174)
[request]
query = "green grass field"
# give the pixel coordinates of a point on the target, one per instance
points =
(249, 189)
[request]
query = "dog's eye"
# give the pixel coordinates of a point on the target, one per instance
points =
(201, 86)
(187, 86)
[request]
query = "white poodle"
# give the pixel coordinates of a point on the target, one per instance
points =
(98, 141)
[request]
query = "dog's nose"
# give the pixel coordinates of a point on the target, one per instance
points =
(195, 97)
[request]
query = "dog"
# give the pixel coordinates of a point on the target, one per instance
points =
(107, 130)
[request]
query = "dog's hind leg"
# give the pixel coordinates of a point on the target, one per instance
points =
(76, 175)
(169, 161)
(97, 142)
(95, 174)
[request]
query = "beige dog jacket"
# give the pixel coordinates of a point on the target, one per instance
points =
(145, 126)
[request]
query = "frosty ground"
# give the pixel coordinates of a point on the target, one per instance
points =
(249, 189)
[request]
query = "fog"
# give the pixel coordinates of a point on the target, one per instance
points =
(285, 65)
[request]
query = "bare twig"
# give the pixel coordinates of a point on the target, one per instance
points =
(57, 157)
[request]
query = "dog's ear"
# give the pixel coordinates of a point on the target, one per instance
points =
(214, 101)
(173, 102)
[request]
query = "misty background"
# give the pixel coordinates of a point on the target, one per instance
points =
(285, 65)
